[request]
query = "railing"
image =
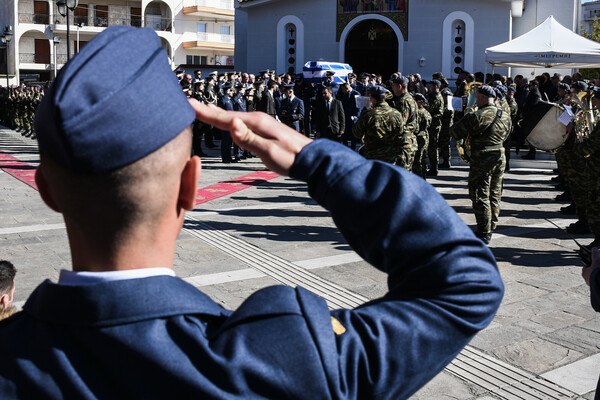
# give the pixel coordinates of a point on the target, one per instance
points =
(101, 21)
(30, 18)
(221, 4)
(215, 37)
(33, 58)
(164, 24)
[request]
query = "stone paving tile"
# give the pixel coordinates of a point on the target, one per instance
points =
(536, 355)
(576, 338)
(446, 386)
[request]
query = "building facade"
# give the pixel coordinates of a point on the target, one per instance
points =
(589, 12)
(383, 36)
(196, 34)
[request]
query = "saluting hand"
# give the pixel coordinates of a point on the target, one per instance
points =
(276, 144)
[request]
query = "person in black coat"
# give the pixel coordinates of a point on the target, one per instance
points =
(330, 118)
(533, 98)
(267, 100)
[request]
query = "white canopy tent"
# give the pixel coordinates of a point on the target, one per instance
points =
(549, 45)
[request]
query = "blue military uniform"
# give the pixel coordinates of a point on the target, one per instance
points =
(226, 103)
(115, 340)
(291, 112)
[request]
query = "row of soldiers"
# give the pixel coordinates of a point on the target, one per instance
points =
(18, 108)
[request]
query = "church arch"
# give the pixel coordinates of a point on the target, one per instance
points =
(283, 44)
(453, 19)
(392, 25)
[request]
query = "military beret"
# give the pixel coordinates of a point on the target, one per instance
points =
(512, 89)
(580, 85)
(435, 82)
(487, 91)
(400, 80)
(437, 75)
(503, 89)
(446, 92)
(564, 86)
(377, 90)
(419, 97)
(113, 104)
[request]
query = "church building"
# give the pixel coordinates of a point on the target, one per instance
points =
(384, 36)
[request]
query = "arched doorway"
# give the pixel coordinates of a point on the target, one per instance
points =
(372, 46)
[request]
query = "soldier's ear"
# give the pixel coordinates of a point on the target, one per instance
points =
(42, 185)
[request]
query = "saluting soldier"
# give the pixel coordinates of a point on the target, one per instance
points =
(436, 109)
(488, 128)
(292, 108)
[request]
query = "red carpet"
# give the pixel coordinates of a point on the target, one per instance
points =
(25, 173)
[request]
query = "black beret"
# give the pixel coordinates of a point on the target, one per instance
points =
(400, 80)
(487, 91)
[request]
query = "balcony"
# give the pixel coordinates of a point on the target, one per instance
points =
(218, 9)
(211, 41)
(31, 18)
(89, 24)
(33, 58)
(158, 23)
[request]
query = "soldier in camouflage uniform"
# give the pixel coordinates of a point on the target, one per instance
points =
(436, 109)
(420, 162)
(590, 150)
(380, 130)
(488, 128)
(407, 106)
(514, 109)
(444, 140)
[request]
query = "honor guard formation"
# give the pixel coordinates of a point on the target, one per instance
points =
(122, 325)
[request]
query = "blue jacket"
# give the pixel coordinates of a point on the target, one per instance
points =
(159, 337)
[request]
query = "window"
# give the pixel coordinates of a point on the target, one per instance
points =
(80, 14)
(225, 30)
(200, 27)
(195, 60)
(136, 16)
(101, 16)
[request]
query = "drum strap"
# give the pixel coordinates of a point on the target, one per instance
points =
(496, 118)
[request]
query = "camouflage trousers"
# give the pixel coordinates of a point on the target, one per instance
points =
(593, 197)
(562, 161)
(432, 148)
(420, 162)
(406, 151)
(578, 181)
(485, 188)
(444, 144)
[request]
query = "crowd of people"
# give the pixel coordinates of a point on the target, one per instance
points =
(410, 123)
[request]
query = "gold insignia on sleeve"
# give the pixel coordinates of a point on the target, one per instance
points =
(338, 328)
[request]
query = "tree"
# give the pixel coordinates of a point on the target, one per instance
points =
(591, 73)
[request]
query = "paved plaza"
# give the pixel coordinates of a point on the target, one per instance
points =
(253, 229)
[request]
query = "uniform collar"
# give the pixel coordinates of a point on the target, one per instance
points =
(118, 302)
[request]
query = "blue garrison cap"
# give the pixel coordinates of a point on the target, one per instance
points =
(564, 86)
(436, 82)
(487, 91)
(400, 80)
(512, 89)
(114, 103)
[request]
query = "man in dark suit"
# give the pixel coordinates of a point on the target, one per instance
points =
(330, 118)
(291, 111)
(533, 98)
(267, 101)
(122, 325)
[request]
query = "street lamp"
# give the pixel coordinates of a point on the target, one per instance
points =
(6, 38)
(56, 40)
(63, 9)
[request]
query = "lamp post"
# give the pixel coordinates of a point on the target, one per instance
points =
(63, 9)
(55, 40)
(6, 38)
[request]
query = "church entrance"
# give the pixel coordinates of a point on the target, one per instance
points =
(372, 46)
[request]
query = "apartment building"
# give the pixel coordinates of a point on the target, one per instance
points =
(589, 11)
(196, 34)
